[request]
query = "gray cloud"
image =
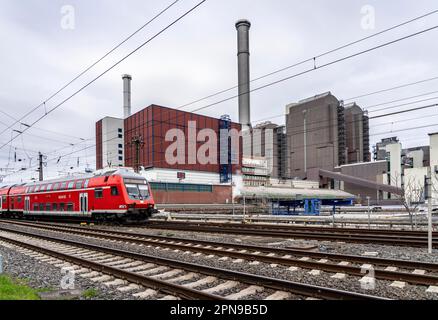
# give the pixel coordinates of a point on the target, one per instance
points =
(198, 57)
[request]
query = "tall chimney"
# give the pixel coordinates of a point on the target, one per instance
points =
(243, 27)
(126, 95)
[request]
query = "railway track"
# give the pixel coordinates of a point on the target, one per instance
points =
(376, 236)
(150, 275)
(412, 272)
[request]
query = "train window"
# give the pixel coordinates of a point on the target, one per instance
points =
(64, 186)
(114, 191)
(48, 207)
(19, 199)
(56, 187)
(79, 185)
(86, 183)
(4, 198)
(35, 206)
(55, 207)
(41, 206)
(98, 193)
(69, 206)
(62, 207)
(71, 185)
(49, 187)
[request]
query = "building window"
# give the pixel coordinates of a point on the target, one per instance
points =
(120, 130)
(120, 146)
(120, 158)
(120, 151)
(120, 136)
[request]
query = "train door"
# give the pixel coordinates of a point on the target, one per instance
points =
(26, 204)
(83, 201)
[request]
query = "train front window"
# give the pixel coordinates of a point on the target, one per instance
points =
(133, 191)
(137, 191)
(144, 191)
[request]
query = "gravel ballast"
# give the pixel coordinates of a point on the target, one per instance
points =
(350, 283)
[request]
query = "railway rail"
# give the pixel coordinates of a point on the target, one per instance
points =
(414, 272)
(376, 236)
(142, 271)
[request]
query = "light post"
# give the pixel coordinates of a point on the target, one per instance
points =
(369, 213)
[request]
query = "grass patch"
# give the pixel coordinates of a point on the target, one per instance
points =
(16, 289)
(90, 293)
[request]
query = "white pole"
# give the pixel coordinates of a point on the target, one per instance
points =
(430, 225)
(429, 205)
(369, 213)
(305, 141)
(244, 208)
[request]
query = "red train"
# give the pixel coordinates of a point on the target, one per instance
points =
(113, 194)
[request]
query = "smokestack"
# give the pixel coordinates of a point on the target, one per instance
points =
(243, 27)
(126, 95)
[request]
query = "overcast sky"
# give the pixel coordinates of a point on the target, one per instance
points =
(197, 57)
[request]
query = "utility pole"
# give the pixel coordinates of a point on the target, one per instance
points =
(137, 141)
(40, 168)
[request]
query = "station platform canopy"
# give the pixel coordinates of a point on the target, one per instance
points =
(286, 194)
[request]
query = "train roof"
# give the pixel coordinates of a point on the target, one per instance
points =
(124, 172)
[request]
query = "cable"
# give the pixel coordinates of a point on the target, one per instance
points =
(391, 89)
(93, 64)
(312, 59)
(339, 48)
(317, 68)
(107, 70)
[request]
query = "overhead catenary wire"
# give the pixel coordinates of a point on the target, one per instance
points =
(317, 67)
(92, 65)
(107, 70)
(320, 55)
(313, 59)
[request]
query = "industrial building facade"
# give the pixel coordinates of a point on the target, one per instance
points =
(152, 124)
(323, 134)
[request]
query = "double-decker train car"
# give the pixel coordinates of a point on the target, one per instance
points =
(112, 194)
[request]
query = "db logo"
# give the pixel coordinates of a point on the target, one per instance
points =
(122, 207)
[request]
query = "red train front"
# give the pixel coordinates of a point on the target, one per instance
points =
(114, 194)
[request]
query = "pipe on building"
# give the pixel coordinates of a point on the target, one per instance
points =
(360, 182)
(243, 27)
(126, 95)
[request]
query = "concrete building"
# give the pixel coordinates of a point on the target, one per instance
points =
(315, 130)
(372, 171)
(357, 134)
(416, 157)
(110, 143)
(268, 140)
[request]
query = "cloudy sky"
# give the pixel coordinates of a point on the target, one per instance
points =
(197, 57)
